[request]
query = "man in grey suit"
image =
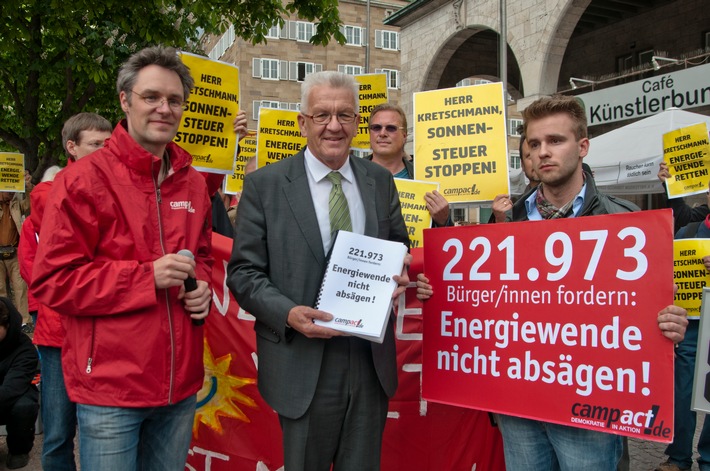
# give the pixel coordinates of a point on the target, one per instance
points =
(330, 391)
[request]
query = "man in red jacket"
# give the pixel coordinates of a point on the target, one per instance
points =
(82, 134)
(108, 263)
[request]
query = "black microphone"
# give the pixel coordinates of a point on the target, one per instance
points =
(191, 283)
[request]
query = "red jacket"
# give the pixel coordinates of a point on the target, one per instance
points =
(49, 331)
(127, 344)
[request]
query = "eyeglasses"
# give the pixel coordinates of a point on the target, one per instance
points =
(157, 101)
(390, 128)
(325, 118)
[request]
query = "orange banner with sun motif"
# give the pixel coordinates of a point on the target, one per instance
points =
(235, 430)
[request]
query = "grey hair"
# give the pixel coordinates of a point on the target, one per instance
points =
(165, 57)
(331, 79)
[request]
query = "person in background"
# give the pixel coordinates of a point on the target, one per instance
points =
(680, 450)
(330, 391)
(388, 134)
(503, 203)
(19, 398)
(108, 262)
(682, 213)
(14, 207)
(82, 134)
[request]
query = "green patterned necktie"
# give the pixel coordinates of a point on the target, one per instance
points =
(338, 205)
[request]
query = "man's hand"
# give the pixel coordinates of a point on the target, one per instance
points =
(663, 172)
(438, 207)
(424, 289)
(672, 321)
(197, 302)
(28, 181)
(501, 205)
(403, 279)
(240, 125)
(706, 262)
(172, 270)
(301, 318)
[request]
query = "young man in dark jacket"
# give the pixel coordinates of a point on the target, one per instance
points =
(19, 398)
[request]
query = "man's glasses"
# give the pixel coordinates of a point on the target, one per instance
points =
(157, 101)
(390, 128)
(324, 118)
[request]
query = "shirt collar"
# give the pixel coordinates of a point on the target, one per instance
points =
(319, 170)
(534, 214)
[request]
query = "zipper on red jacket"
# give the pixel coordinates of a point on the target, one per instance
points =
(90, 360)
(167, 297)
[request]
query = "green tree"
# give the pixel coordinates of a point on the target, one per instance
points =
(57, 59)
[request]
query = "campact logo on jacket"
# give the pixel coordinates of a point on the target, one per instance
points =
(187, 205)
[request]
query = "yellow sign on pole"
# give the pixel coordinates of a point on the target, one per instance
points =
(416, 215)
(12, 172)
(460, 141)
(687, 153)
(207, 130)
(247, 150)
(689, 273)
(279, 135)
(373, 91)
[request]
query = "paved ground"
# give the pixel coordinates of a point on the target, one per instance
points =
(645, 456)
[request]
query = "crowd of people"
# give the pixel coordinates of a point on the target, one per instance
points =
(116, 250)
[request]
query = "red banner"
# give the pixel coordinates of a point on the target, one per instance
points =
(554, 321)
(236, 430)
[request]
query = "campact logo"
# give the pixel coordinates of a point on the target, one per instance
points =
(186, 205)
(350, 323)
(620, 420)
(472, 190)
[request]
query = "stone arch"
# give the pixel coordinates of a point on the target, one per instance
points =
(472, 51)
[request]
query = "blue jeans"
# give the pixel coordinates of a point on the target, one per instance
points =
(540, 446)
(680, 451)
(131, 439)
(58, 413)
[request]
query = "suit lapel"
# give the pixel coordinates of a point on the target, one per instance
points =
(366, 185)
(298, 194)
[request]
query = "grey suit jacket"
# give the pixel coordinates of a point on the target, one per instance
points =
(278, 262)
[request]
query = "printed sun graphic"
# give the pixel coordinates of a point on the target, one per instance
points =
(220, 395)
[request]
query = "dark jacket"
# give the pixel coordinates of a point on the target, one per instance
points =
(18, 362)
(595, 203)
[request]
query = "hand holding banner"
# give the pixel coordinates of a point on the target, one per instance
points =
(572, 323)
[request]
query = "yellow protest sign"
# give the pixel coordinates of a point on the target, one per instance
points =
(12, 172)
(687, 153)
(247, 150)
(279, 136)
(207, 130)
(373, 91)
(460, 141)
(690, 274)
(416, 216)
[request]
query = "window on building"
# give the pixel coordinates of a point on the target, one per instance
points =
(354, 35)
(224, 43)
(645, 57)
(301, 30)
(706, 37)
(514, 160)
(299, 70)
(464, 83)
(513, 125)
(350, 69)
(264, 104)
(392, 77)
(274, 32)
(388, 40)
(269, 69)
